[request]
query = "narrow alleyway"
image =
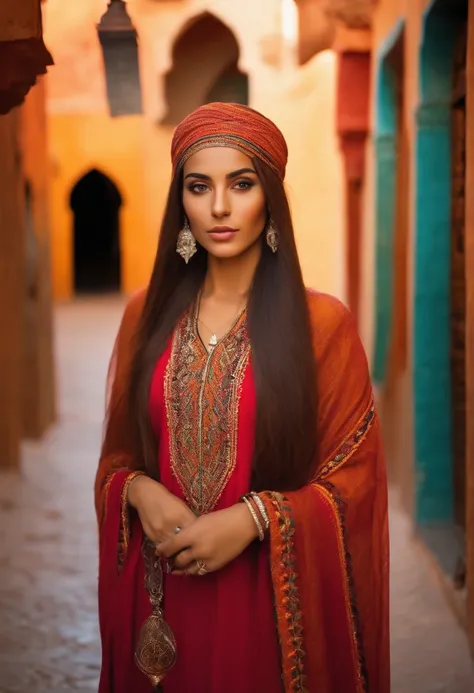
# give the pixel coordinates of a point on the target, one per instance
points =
(48, 629)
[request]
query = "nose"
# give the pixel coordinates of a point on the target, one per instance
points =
(220, 203)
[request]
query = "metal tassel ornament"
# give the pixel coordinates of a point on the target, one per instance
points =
(186, 245)
(155, 652)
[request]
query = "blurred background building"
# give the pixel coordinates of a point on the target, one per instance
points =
(374, 100)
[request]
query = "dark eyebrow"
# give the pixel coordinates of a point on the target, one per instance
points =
(234, 174)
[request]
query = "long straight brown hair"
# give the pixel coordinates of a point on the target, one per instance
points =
(280, 336)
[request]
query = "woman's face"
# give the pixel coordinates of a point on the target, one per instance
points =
(224, 201)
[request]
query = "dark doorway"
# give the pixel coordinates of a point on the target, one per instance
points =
(458, 277)
(96, 201)
(232, 86)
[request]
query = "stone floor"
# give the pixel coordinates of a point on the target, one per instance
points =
(48, 627)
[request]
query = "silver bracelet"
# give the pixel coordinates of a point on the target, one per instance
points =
(261, 533)
(262, 508)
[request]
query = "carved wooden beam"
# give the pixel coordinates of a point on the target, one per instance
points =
(23, 55)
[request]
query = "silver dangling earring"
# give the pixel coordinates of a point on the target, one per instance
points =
(272, 236)
(186, 245)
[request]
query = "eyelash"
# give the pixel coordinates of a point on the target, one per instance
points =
(199, 188)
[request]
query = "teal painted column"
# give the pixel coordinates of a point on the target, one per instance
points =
(431, 357)
(432, 270)
(386, 112)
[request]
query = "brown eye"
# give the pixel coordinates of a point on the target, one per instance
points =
(244, 184)
(197, 187)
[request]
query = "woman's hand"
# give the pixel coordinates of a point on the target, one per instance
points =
(161, 513)
(213, 540)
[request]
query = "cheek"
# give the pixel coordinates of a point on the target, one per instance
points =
(195, 208)
(254, 213)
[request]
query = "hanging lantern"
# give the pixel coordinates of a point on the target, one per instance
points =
(118, 40)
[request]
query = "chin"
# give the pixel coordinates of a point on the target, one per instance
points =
(226, 251)
(229, 251)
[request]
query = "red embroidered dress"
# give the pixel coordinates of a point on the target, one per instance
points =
(203, 411)
(307, 610)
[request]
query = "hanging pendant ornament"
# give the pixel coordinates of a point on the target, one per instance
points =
(213, 341)
(186, 245)
(272, 236)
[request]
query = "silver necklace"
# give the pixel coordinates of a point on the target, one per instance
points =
(213, 341)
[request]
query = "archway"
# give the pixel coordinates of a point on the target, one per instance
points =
(205, 68)
(95, 202)
(432, 333)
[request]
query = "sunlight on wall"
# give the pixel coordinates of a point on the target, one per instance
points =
(289, 20)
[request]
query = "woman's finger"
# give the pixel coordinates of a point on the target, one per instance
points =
(172, 546)
(183, 560)
(196, 568)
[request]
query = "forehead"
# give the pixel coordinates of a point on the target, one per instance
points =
(215, 161)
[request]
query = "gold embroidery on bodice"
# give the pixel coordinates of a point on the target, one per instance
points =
(202, 394)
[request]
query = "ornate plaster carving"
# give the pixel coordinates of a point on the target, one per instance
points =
(355, 14)
(321, 22)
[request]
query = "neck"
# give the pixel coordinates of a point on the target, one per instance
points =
(229, 278)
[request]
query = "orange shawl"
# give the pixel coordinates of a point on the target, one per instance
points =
(329, 540)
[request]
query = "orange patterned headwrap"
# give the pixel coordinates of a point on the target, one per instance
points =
(230, 125)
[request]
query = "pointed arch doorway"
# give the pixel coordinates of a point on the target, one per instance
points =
(205, 68)
(95, 201)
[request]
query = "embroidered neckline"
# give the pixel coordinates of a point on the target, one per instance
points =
(202, 397)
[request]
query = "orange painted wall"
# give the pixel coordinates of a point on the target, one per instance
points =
(115, 147)
(82, 136)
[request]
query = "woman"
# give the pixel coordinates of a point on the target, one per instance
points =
(241, 491)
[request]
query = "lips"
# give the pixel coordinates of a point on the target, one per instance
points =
(223, 229)
(222, 233)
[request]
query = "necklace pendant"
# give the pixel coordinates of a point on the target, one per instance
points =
(213, 340)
